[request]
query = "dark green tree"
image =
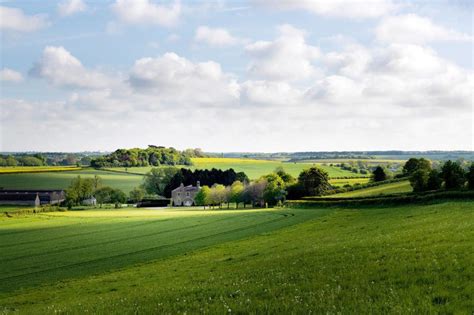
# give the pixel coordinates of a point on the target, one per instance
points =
(314, 181)
(434, 180)
(379, 174)
(137, 194)
(453, 175)
(157, 179)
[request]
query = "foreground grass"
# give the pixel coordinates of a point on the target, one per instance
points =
(385, 189)
(410, 259)
(59, 245)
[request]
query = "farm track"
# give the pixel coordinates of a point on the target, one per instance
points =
(108, 242)
(63, 268)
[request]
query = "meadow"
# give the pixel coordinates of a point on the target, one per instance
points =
(36, 169)
(405, 259)
(61, 180)
(385, 189)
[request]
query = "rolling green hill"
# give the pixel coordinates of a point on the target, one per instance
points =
(61, 180)
(407, 259)
(385, 189)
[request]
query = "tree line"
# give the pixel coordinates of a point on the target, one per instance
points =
(151, 156)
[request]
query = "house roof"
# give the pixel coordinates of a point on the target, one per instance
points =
(186, 188)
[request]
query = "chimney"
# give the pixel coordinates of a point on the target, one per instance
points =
(182, 185)
(198, 184)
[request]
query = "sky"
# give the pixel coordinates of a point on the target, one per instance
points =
(230, 76)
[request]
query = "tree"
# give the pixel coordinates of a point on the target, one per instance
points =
(453, 175)
(286, 177)
(218, 194)
(434, 180)
(118, 197)
(379, 174)
(470, 177)
(253, 192)
(78, 190)
(11, 161)
(274, 190)
(157, 179)
(137, 194)
(419, 180)
(202, 198)
(97, 182)
(236, 193)
(314, 181)
(103, 195)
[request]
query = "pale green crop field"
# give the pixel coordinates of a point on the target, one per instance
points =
(406, 259)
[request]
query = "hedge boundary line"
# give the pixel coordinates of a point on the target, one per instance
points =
(383, 200)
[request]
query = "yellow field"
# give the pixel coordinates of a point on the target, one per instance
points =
(348, 181)
(36, 169)
(198, 161)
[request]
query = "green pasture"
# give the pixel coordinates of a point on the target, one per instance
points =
(385, 189)
(61, 180)
(406, 259)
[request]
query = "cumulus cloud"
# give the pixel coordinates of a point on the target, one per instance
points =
(215, 36)
(269, 93)
(61, 68)
(10, 75)
(71, 7)
(415, 29)
(147, 12)
(336, 8)
(392, 77)
(288, 57)
(175, 79)
(12, 19)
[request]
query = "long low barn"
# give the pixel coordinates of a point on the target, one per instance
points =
(31, 197)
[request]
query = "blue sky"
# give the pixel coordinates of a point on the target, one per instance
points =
(236, 76)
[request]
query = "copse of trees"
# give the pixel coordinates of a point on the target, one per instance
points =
(470, 177)
(423, 177)
(153, 155)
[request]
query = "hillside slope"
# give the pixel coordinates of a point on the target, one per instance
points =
(410, 259)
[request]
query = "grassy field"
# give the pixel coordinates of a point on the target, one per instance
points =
(36, 169)
(253, 168)
(410, 259)
(60, 180)
(386, 189)
(349, 181)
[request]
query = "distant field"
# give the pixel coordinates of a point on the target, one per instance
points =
(61, 180)
(386, 189)
(36, 169)
(8, 208)
(412, 259)
(368, 161)
(348, 181)
(253, 168)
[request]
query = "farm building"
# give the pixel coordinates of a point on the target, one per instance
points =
(184, 195)
(31, 197)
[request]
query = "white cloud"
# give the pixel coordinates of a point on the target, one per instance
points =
(269, 93)
(10, 75)
(12, 19)
(146, 12)
(60, 68)
(174, 79)
(411, 28)
(288, 57)
(336, 8)
(215, 36)
(70, 7)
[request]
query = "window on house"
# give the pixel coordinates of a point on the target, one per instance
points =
(187, 194)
